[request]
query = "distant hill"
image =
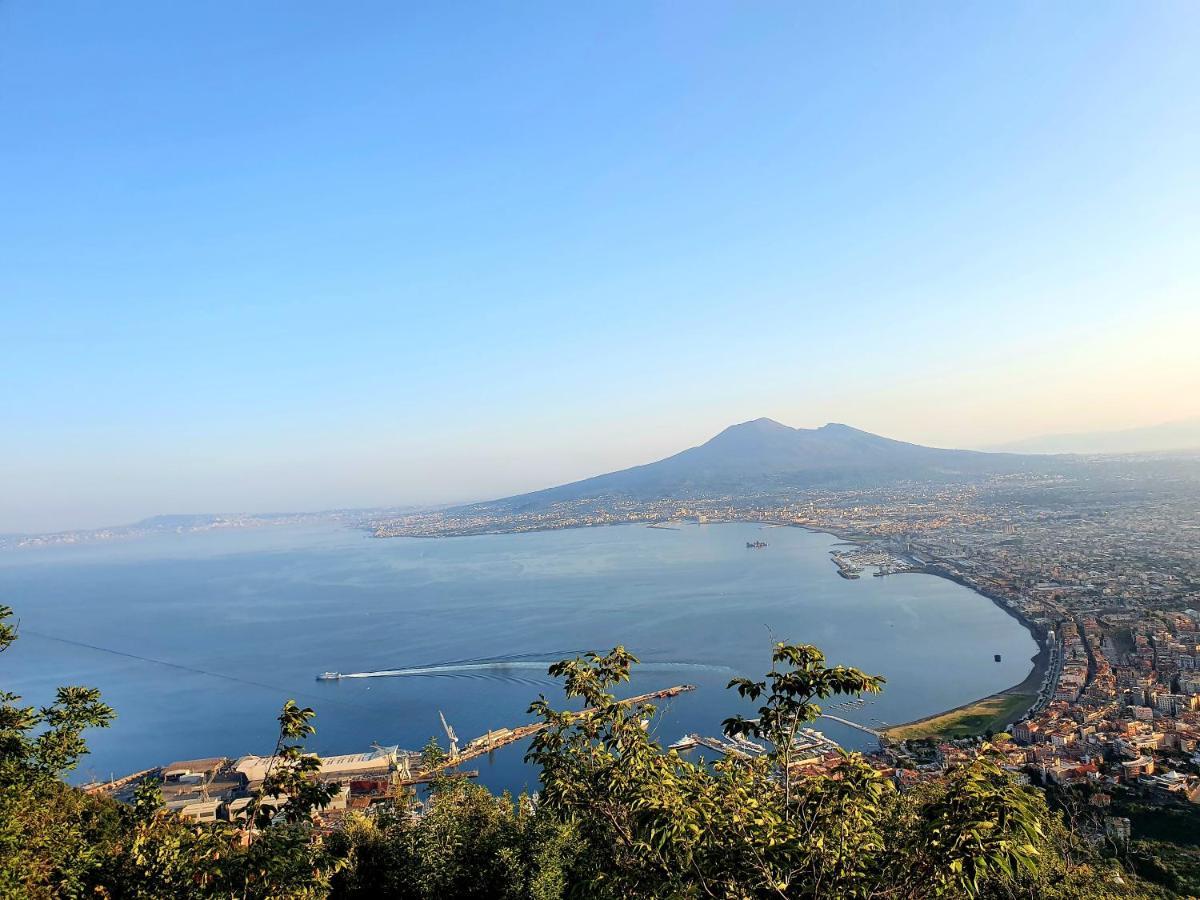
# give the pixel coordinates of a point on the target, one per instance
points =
(1181, 435)
(763, 455)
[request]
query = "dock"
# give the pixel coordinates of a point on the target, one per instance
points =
(207, 789)
(502, 737)
(860, 727)
(738, 747)
(807, 741)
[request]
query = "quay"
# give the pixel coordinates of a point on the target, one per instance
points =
(205, 790)
(860, 727)
(739, 747)
(494, 740)
(809, 742)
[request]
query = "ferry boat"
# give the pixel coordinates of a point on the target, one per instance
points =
(329, 676)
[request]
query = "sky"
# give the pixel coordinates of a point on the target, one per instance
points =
(302, 255)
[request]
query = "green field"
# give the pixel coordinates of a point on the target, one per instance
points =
(993, 712)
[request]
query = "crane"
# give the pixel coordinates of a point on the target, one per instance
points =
(450, 735)
(398, 761)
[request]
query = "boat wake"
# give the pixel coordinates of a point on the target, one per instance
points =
(508, 668)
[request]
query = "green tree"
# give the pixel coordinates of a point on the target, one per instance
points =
(290, 790)
(282, 859)
(51, 836)
(652, 824)
(798, 677)
(466, 844)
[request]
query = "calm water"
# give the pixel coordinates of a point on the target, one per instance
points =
(262, 612)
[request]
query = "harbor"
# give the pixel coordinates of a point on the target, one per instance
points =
(810, 745)
(221, 788)
(852, 563)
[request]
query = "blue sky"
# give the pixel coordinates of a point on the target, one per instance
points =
(295, 255)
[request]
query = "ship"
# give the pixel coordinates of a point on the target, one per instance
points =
(755, 545)
(329, 676)
(997, 657)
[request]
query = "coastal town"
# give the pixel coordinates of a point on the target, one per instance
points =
(1102, 566)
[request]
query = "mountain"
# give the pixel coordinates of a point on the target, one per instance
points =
(763, 455)
(1180, 435)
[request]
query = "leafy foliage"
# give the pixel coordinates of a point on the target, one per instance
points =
(467, 844)
(798, 677)
(291, 780)
(57, 841)
(654, 824)
(51, 837)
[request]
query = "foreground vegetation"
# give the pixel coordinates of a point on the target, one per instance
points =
(989, 715)
(617, 817)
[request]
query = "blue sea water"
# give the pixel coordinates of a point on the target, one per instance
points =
(248, 618)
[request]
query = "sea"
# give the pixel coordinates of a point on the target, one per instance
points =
(197, 639)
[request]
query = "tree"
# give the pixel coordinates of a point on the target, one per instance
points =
(467, 844)
(290, 789)
(51, 836)
(46, 742)
(652, 824)
(282, 859)
(798, 677)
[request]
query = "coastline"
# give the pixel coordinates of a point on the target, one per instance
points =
(1039, 662)
(1032, 682)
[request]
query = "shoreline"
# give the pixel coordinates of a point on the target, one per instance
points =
(1039, 662)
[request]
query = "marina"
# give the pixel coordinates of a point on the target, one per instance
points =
(809, 743)
(852, 563)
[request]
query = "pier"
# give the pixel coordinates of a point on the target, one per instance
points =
(742, 748)
(225, 786)
(494, 740)
(841, 721)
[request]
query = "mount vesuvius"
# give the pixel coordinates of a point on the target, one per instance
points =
(762, 456)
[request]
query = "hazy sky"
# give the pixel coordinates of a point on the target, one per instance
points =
(294, 255)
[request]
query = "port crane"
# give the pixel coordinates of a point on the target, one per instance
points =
(450, 735)
(400, 762)
(485, 745)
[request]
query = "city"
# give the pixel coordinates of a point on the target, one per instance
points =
(1101, 565)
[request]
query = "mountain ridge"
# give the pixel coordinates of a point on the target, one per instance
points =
(1180, 434)
(763, 454)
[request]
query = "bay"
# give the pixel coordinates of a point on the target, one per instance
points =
(197, 639)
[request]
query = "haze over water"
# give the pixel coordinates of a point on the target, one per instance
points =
(264, 611)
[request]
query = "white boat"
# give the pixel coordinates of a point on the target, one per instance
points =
(329, 676)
